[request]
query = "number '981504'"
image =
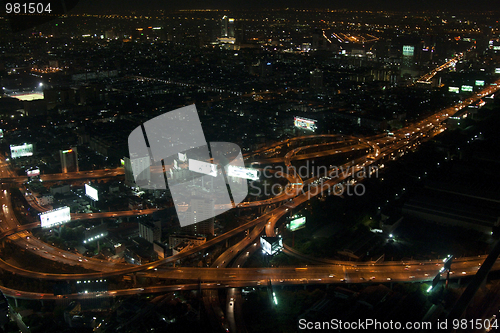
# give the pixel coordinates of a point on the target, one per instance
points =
(27, 8)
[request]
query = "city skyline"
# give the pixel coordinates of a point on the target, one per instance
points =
(249, 169)
(408, 5)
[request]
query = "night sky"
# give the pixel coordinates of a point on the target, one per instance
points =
(92, 6)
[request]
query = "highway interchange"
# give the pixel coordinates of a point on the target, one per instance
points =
(375, 151)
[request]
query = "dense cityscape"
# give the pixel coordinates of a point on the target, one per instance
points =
(249, 170)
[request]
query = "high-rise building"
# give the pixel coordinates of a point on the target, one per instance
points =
(227, 27)
(146, 231)
(150, 231)
(69, 160)
(316, 79)
(408, 61)
(137, 166)
(408, 50)
(317, 40)
(201, 210)
(266, 68)
(157, 231)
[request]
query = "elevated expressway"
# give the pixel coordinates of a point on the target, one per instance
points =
(334, 273)
(56, 177)
(427, 78)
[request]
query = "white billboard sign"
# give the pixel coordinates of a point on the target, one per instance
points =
(33, 172)
(91, 192)
(408, 50)
(21, 151)
(55, 217)
(304, 123)
(239, 172)
(271, 248)
(297, 223)
(266, 246)
(203, 167)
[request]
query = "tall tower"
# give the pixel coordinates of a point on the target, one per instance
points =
(316, 82)
(317, 39)
(202, 210)
(137, 165)
(69, 160)
(227, 27)
(407, 61)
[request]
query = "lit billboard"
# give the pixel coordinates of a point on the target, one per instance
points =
(454, 89)
(497, 70)
(239, 172)
(33, 173)
(408, 50)
(21, 151)
(91, 192)
(1, 133)
(55, 217)
(479, 83)
(203, 167)
(271, 245)
(304, 123)
(297, 224)
(467, 88)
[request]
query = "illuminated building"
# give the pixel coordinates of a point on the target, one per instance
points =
(69, 160)
(200, 210)
(139, 166)
(227, 27)
(316, 79)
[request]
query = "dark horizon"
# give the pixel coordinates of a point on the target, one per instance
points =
(95, 6)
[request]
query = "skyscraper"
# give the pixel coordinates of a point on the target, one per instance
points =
(316, 79)
(408, 61)
(227, 27)
(150, 231)
(200, 210)
(69, 160)
(137, 165)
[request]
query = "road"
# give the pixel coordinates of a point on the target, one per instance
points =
(404, 139)
(56, 177)
(27, 241)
